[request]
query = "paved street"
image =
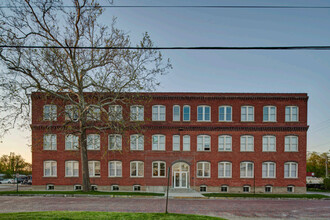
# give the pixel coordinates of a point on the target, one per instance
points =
(227, 208)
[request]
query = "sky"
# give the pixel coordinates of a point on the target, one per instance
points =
(232, 71)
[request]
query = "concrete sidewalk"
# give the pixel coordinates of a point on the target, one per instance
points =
(184, 193)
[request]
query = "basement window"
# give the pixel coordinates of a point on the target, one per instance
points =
(268, 189)
(224, 189)
(94, 187)
(290, 189)
(114, 188)
(202, 188)
(77, 187)
(136, 188)
(246, 189)
(50, 187)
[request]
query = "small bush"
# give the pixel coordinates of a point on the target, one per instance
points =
(326, 183)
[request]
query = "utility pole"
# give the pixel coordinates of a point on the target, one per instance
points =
(168, 185)
(326, 166)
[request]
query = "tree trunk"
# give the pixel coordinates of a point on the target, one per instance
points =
(84, 158)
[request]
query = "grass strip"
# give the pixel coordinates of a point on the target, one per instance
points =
(81, 192)
(102, 215)
(307, 196)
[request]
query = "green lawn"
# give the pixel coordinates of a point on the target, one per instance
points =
(80, 192)
(318, 190)
(101, 215)
(308, 196)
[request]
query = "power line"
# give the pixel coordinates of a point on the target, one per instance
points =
(172, 48)
(191, 6)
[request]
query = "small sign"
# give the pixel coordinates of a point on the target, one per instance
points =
(17, 175)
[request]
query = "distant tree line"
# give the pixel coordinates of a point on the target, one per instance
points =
(12, 164)
(316, 163)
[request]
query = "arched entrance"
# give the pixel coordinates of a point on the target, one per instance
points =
(180, 172)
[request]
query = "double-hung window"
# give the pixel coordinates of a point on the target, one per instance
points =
(50, 168)
(203, 143)
(225, 113)
(247, 143)
(93, 142)
(158, 113)
(247, 170)
(269, 143)
(186, 113)
(224, 169)
(94, 113)
(158, 169)
(71, 113)
(71, 168)
(269, 114)
(71, 142)
(94, 168)
(137, 169)
(290, 170)
(268, 170)
(50, 142)
(203, 169)
(203, 113)
(137, 142)
(176, 113)
(225, 143)
(115, 142)
(50, 113)
(291, 113)
(186, 143)
(176, 142)
(137, 113)
(247, 113)
(158, 142)
(291, 144)
(115, 169)
(115, 113)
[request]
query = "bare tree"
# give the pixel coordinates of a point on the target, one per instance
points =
(67, 73)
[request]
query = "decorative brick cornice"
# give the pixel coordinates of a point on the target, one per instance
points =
(192, 128)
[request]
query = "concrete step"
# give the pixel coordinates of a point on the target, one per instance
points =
(184, 193)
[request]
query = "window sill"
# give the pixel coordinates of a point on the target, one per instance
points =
(291, 178)
(225, 151)
(49, 176)
(203, 177)
(205, 151)
(93, 149)
(291, 151)
(225, 121)
(49, 150)
(115, 149)
(71, 176)
(115, 176)
(94, 176)
(136, 150)
(247, 151)
(247, 177)
(268, 177)
(269, 151)
(269, 121)
(204, 121)
(136, 176)
(71, 149)
(224, 177)
(159, 177)
(292, 121)
(246, 121)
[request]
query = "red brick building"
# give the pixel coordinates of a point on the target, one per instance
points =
(215, 142)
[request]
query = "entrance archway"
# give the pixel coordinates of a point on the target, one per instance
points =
(180, 175)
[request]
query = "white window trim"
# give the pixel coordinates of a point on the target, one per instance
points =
(268, 163)
(137, 167)
(183, 149)
(135, 186)
(74, 187)
(115, 162)
(70, 111)
(52, 117)
(247, 113)
(231, 115)
(115, 147)
(176, 136)
(203, 142)
(268, 145)
(92, 175)
(137, 116)
(224, 170)
(248, 187)
(71, 136)
(203, 169)
(290, 167)
(226, 186)
(291, 186)
(117, 114)
(246, 143)
(48, 185)
(52, 148)
(246, 170)
(158, 112)
(136, 144)
(158, 142)
(51, 174)
(290, 145)
(72, 162)
(269, 106)
(179, 112)
(185, 106)
(94, 113)
(271, 189)
(291, 106)
(225, 136)
(204, 106)
(111, 187)
(94, 135)
(152, 169)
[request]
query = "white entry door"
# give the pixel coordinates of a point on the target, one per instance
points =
(180, 179)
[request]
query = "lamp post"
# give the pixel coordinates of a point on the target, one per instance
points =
(168, 186)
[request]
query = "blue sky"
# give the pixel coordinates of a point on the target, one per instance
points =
(236, 71)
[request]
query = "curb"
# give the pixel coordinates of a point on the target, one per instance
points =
(80, 195)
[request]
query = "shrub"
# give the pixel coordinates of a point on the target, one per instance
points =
(326, 183)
